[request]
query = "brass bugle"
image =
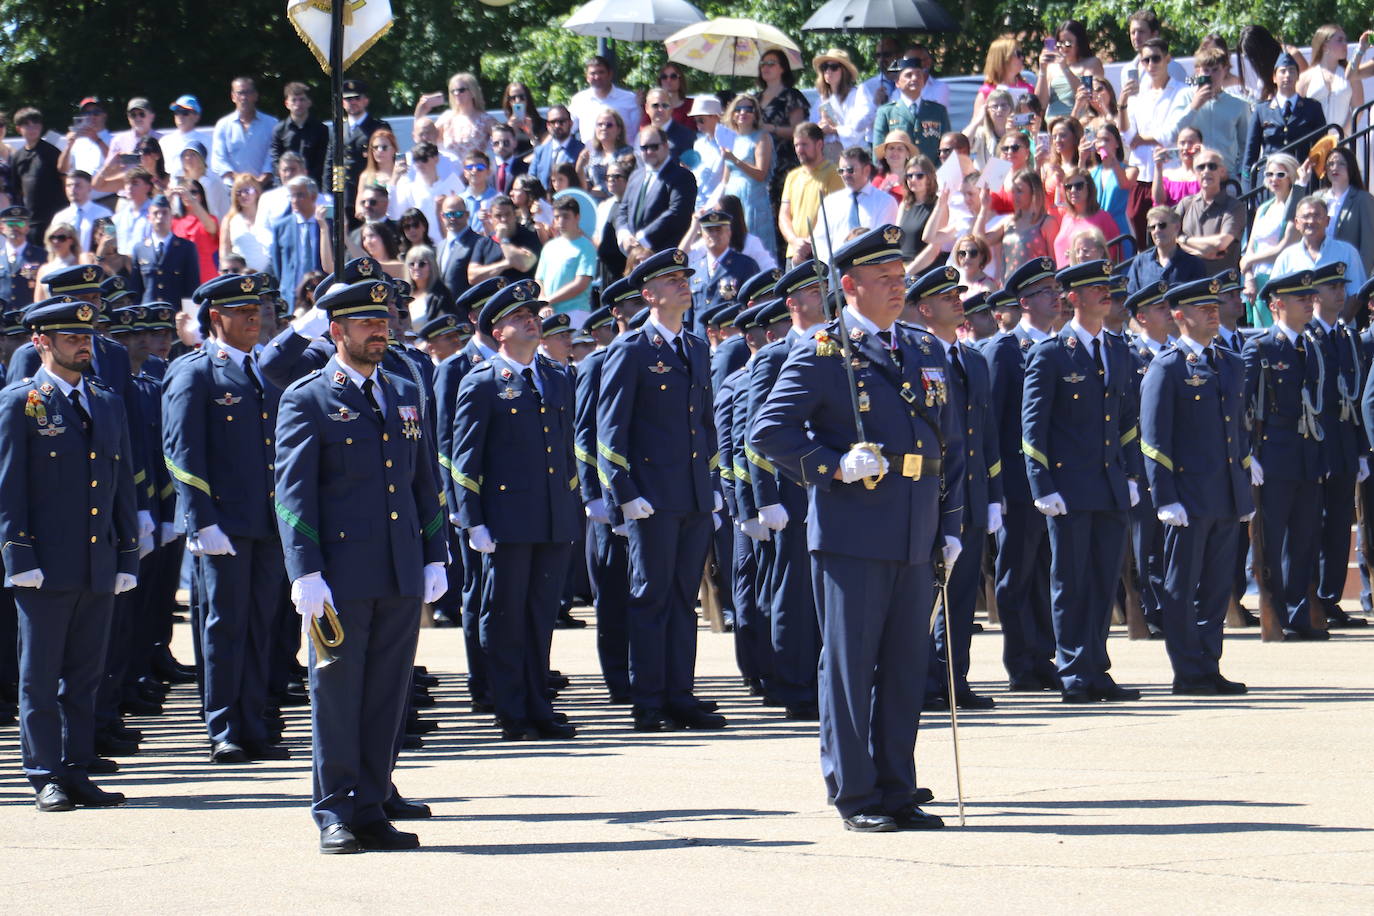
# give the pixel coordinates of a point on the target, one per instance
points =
(324, 642)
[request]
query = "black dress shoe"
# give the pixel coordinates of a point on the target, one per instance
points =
(425, 680)
(805, 712)
(1337, 618)
(935, 702)
(227, 752)
(706, 705)
(651, 720)
(554, 730)
(1194, 689)
(1115, 693)
(412, 743)
(139, 707)
(1305, 635)
(558, 680)
(336, 839)
(482, 707)
(102, 766)
(397, 808)
(124, 732)
(443, 621)
(1079, 695)
(294, 696)
(418, 726)
(698, 719)
(620, 699)
(421, 700)
(911, 817)
(922, 795)
(1228, 688)
(870, 822)
(1025, 684)
(265, 751)
(772, 702)
(1248, 618)
(106, 743)
(381, 835)
(754, 685)
(977, 627)
(566, 621)
(971, 700)
(1049, 680)
(88, 795)
(53, 797)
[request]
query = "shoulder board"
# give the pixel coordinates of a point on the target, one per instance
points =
(97, 383)
(305, 379)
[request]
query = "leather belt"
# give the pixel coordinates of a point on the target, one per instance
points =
(913, 466)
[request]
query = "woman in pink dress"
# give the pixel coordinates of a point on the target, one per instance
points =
(1080, 211)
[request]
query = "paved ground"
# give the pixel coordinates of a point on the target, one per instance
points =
(1254, 804)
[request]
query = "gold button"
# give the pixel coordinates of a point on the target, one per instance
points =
(1228, 438)
(229, 417)
(386, 437)
(546, 429)
(970, 429)
(388, 462)
(267, 441)
(549, 449)
(503, 486)
(264, 413)
(1075, 397)
(348, 441)
(1108, 417)
(92, 539)
(691, 407)
(95, 511)
(513, 410)
(394, 516)
(550, 470)
(694, 454)
(391, 488)
(92, 455)
(52, 454)
(95, 483)
(271, 494)
(543, 410)
(1197, 397)
(1059, 464)
(271, 467)
(662, 387)
(918, 443)
(341, 535)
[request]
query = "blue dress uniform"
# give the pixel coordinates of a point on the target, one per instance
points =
(170, 275)
(656, 441)
(109, 359)
(356, 501)
(723, 539)
(607, 558)
(790, 602)
(1080, 438)
(82, 538)
(448, 376)
(219, 429)
(1366, 486)
(734, 554)
(1196, 451)
(1283, 382)
(871, 550)
(971, 403)
(722, 282)
(1344, 442)
(733, 352)
(1022, 567)
(513, 463)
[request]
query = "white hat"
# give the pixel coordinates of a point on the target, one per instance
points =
(704, 105)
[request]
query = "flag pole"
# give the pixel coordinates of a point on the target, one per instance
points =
(340, 173)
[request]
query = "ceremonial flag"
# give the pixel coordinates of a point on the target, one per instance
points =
(365, 22)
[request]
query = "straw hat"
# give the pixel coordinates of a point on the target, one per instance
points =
(895, 136)
(839, 56)
(703, 105)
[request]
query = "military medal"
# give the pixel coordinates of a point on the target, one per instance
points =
(344, 415)
(933, 380)
(907, 394)
(228, 400)
(660, 368)
(864, 402)
(410, 421)
(825, 344)
(507, 394)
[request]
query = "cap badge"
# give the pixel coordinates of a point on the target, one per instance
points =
(892, 235)
(1214, 287)
(84, 313)
(951, 273)
(365, 267)
(89, 274)
(679, 257)
(378, 292)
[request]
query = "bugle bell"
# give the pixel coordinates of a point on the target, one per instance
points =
(326, 643)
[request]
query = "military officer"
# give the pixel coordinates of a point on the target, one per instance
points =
(20, 260)
(109, 360)
(1081, 442)
(1284, 368)
(68, 550)
(517, 485)
(880, 512)
(1344, 442)
(656, 444)
(166, 267)
(731, 353)
(358, 510)
(935, 294)
(724, 269)
(1196, 452)
(1022, 566)
(442, 336)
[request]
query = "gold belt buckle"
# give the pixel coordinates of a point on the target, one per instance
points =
(911, 466)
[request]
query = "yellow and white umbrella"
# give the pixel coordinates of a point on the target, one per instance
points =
(729, 47)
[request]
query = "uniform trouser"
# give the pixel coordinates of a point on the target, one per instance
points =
(965, 581)
(1023, 592)
(1292, 517)
(1241, 579)
(286, 641)
(522, 588)
(609, 571)
(575, 583)
(1333, 558)
(450, 603)
(723, 544)
(667, 554)
(1197, 593)
(241, 602)
(357, 707)
(752, 638)
(62, 642)
(1086, 550)
(796, 630)
(164, 594)
(472, 621)
(9, 639)
(110, 693)
(197, 615)
(1147, 551)
(1366, 490)
(874, 618)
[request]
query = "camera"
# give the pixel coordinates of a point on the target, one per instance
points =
(1021, 120)
(1198, 81)
(1088, 81)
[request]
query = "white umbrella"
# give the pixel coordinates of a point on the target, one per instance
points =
(729, 47)
(632, 20)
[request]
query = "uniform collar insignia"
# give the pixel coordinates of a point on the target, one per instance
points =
(1192, 357)
(658, 340)
(1025, 343)
(856, 334)
(1071, 341)
(505, 373)
(222, 354)
(46, 388)
(340, 378)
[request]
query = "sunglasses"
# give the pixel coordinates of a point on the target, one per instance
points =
(60, 238)
(1207, 166)
(649, 147)
(915, 175)
(745, 109)
(1155, 227)
(518, 97)
(658, 105)
(945, 151)
(615, 176)
(1278, 174)
(474, 167)
(1152, 59)
(831, 65)
(1075, 186)
(559, 120)
(609, 125)
(669, 75)
(417, 265)
(968, 253)
(1012, 147)
(381, 147)
(846, 170)
(16, 223)
(459, 91)
(455, 214)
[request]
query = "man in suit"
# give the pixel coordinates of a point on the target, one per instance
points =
(358, 510)
(20, 259)
(459, 242)
(68, 550)
(220, 421)
(656, 210)
(1082, 455)
(166, 267)
(296, 237)
(561, 146)
(923, 119)
(505, 165)
(358, 131)
(880, 516)
(1284, 119)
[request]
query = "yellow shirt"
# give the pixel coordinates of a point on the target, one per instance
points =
(804, 188)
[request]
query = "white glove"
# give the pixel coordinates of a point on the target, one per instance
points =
(32, 578)
(1363, 472)
(1173, 514)
(193, 545)
(1248, 517)
(214, 542)
(860, 463)
(774, 517)
(479, 539)
(755, 529)
(436, 582)
(1256, 472)
(166, 534)
(1133, 489)
(1052, 505)
(636, 509)
(312, 324)
(597, 512)
(623, 530)
(953, 547)
(715, 521)
(146, 527)
(717, 502)
(145, 545)
(453, 520)
(994, 518)
(310, 594)
(124, 582)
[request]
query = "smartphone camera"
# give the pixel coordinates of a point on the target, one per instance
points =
(1088, 81)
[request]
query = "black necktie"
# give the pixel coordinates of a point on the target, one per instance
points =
(1097, 358)
(529, 381)
(886, 338)
(681, 346)
(80, 411)
(253, 376)
(1211, 357)
(958, 365)
(372, 399)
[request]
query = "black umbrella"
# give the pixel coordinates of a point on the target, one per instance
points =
(881, 16)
